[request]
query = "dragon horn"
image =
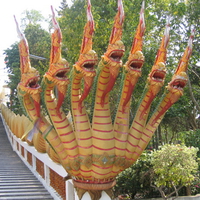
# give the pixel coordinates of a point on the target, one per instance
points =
(56, 40)
(137, 42)
(88, 31)
(23, 50)
(183, 63)
(117, 27)
(20, 35)
(55, 23)
(162, 51)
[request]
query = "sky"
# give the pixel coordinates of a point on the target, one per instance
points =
(8, 33)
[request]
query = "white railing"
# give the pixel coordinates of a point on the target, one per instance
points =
(49, 173)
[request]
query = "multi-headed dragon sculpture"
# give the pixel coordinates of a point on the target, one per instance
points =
(94, 153)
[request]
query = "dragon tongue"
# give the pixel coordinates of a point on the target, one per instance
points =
(108, 88)
(37, 108)
(87, 86)
(60, 99)
(128, 96)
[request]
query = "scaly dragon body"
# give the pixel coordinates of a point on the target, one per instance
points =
(94, 151)
(56, 79)
(83, 71)
(102, 127)
(132, 72)
(29, 92)
(155, 81)
(174, 92)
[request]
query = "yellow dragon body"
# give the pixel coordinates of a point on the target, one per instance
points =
(94, 151)
(56, 78)
(29, 93)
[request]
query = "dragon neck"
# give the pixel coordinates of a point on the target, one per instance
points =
(102, 80)
(81, 121)
(60, 123)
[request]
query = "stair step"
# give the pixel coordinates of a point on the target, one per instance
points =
(20, 190)
(17, 178)
(26, 193)
(26, 187)
(20, 183)
(17, 182)
(27, 197)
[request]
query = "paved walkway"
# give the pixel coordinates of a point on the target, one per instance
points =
(16, 180)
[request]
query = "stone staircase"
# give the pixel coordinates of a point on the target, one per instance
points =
(16, 180)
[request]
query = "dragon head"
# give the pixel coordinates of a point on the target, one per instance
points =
(179, 79)
(57, 72)
(116, 48)
(157, 75)
(86, 63)
(87, 60)
(176, 85)
(113, 56)
(59, 67)
(136, 58)
(114, 53)
(29, 80)
(134, 64)
(29, 75)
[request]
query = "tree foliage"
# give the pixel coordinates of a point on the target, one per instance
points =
(161, 172)
(191, 138)
(31, 17)
(135, 180)
(12, 64)
(174, 167)
(39, 42)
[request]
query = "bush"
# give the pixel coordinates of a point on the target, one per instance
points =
(165, 172)
(135, 181)
(174, 166)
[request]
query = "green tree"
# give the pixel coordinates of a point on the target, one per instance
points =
(33, 17)
(174, 166)
(12, 65)
(39, 42)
